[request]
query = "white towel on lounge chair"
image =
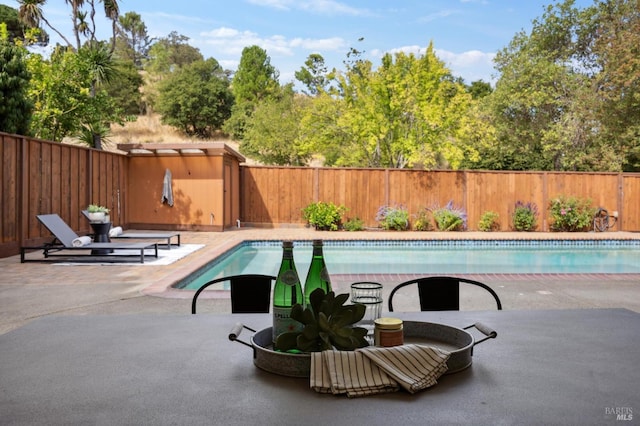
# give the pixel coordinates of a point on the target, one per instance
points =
(115, 232)
(81, 241)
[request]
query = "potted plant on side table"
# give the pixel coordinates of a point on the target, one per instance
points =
(98, 213)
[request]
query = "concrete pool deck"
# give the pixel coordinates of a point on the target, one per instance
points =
(32, 290)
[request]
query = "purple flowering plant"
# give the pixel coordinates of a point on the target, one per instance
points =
(394, 217)
(525, 216)
(450, 217)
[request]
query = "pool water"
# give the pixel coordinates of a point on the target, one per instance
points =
(430, 258)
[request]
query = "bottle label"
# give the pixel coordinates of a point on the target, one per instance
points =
(282, 322)
(290, 277)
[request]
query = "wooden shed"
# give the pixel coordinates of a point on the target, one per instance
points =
(201, 179)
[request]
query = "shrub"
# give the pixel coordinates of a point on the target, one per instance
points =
(354, 224)
(571, 214)
(489, 221)
(422, 221)
(324, 216)
(450, 218)
(525, 216)
(393, 217)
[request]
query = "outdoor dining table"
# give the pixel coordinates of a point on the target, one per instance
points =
(565, 367)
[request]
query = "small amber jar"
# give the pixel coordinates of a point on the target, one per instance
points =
(388, 332)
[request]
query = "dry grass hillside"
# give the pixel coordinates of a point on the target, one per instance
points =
(149, 129)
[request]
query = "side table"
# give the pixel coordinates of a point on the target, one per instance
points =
(101, 235)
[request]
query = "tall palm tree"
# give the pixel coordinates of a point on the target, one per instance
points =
(112, 11)
(94, 53)
(80, 25)
(30, 12)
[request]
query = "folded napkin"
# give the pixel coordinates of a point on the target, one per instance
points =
(81, 241)
(115, 231)
(374, 370)
(348, 372)
(414, 367)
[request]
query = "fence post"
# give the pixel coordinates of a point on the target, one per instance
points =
(620, 203)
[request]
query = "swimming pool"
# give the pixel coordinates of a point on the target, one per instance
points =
(431, 257)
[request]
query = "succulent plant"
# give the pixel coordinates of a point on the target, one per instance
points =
(328, 324)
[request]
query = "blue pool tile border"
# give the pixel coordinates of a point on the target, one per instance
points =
(543, 243)
(454, 243)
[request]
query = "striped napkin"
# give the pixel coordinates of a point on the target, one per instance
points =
(414, 367)
(348, 372)
(374, 370)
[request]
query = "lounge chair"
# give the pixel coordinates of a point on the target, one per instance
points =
(146, 235)
(66, 239)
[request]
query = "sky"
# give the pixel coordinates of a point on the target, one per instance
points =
(466, 34)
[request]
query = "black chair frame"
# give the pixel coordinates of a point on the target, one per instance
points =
(440, 293)
(250, 293)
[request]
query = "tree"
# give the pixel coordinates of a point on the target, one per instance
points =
(479, 89)
(95, 58)
(124, 88)
(17, 30)
(567, 97)
(255, 81)
(166, 55)
(196, 98)
(133, 42)
(405, 113)
(171, 52)
(15, 107)
(314, 75)
(84, 25)
(61, 88)
(272, 132)
(616, 50)
(100, 68)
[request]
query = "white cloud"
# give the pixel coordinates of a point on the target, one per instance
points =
(231, 41)
(222, 32)
(323, 44)
(465, 59)
(325, 7)
(276, 4)
(471, 65)
(437, 15)
(150, 16)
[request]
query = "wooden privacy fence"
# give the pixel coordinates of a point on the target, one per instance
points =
(277, 195)
(41, 177)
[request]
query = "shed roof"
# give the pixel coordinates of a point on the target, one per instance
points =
(180, 149)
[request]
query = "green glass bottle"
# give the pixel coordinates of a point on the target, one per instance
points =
(286, 293)
(318, 275)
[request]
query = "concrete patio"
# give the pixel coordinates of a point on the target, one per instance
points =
(32, 290)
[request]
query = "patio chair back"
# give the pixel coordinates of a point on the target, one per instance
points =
(250, 293)
(58, 228)
(441, 293)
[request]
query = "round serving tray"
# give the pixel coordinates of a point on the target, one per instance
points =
(457, 341)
